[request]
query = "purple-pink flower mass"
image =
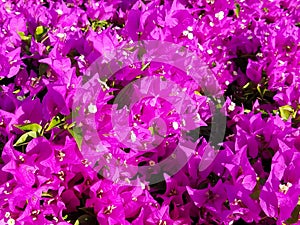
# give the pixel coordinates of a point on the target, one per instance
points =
(149, 112)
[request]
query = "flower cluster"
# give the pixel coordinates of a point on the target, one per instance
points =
(47, 176)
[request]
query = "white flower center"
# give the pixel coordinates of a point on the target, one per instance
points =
(220, 15)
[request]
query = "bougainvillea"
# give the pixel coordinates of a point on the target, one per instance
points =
(144, 110)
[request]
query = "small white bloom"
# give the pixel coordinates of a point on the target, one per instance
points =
(175, 125)
(185, 32)
(11, 222)
(190, 28)
(7, 214)
(61, 35)
(209, 51)
(280, 62)
(211, 24)
(92, 108)
(190, 36)
(231, 107)
(59, 11)
(220, 15)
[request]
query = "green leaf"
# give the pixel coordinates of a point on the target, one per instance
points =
(226, 204)
(286, 111)
(25, 138)
(46, 195)
(66, 217)
(151, 129)
(24, 37)
(247, 111)
(295, 114)
(265, 9)
(16, 91)
(40, 31)
(237, 9)
(76, 133)
(30, 127)
(56, 121)
(85, 220)
(96, 24)
(255, 194)
(48, 48)
(42, 69)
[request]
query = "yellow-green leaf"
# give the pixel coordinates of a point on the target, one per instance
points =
(286, 111)
(86, 220)
(294, 216)
(76, 133)
(39, 30)
(24, 37)
(25, 138)
(56, 120)
(39, 33)
(30, 127)
(151, 129)
(237, 9)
